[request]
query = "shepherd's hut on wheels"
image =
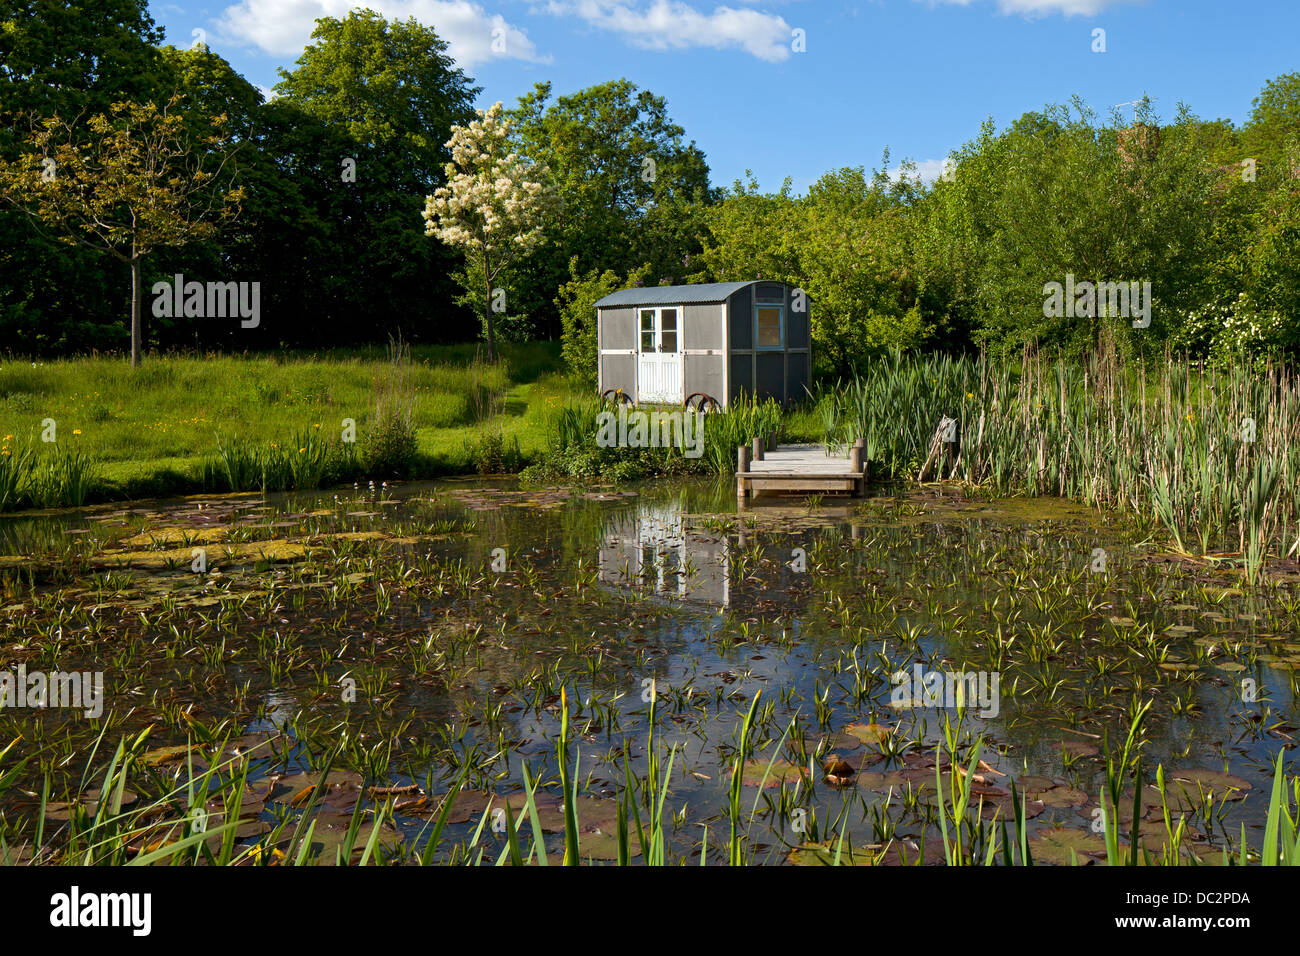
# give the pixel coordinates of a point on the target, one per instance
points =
(667, 345)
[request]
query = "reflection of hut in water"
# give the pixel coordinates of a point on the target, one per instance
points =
(652, 549)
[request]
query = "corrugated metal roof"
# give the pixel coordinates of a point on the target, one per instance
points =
(673, 294)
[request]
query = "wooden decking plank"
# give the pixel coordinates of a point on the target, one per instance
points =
(797, 468)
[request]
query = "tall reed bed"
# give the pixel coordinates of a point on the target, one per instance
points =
(53, 476)
(1214, 454)
(739, 424)
(307, 460)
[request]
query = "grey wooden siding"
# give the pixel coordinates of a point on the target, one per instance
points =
(701, 328)
(742, 375)
(742, 320)
(797, 387)
(796, 325)
(617, 328)
(705, 373)
(770, 369)
(618, 371)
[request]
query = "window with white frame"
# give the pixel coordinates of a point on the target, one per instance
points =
(659, 329)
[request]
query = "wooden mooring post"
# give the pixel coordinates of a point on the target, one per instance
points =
(855, 464)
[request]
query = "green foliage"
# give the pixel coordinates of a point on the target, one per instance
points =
(576, 451)
(135, 179)
(15, 471)
(1057, 194)
(888, 261)
(304, 462)
(743, 420)
(391, 85)
(577, 304)
(61, 477)
(631, 186)
(845, 244)
(1215, 459)
(150, 437)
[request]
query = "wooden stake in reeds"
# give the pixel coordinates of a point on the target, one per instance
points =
(941, 448)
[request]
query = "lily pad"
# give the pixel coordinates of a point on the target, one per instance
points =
(871, 733)
(1054, 846)
(757, 773)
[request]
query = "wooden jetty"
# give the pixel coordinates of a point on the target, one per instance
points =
(800, 469)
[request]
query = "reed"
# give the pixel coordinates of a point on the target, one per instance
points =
(1213, 454)
(62, 477)
(193, 820)
(15, 472)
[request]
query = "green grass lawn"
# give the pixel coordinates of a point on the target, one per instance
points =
(166, 416)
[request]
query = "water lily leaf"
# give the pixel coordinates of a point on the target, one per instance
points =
(162, 755)
(331, 832)
(757, 772)
(1054, 846)
(1061, 797)
(1224, 786)
(62, 811)
(872, 733)
(823, 854)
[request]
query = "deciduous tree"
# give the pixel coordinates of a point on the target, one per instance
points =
(135, 184)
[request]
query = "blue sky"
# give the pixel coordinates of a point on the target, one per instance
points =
(918, 76)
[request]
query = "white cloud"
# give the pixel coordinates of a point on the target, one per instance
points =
(283, 27)
(927, 171)
(669, 24)
(1041, 8)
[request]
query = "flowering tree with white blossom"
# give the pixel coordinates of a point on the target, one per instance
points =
(494, 205)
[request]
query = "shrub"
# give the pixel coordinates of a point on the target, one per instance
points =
(577, 304)
(390, 445)
(489, 453)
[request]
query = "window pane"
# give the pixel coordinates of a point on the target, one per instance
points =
(769, 328)
(647, 320)
(647, 340)
(667, 330)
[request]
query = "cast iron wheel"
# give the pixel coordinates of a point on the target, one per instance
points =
(617, 396)
(700, 402)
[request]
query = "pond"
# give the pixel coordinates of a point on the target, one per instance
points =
(861, 664)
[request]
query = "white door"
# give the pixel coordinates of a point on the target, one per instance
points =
(659, 362)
